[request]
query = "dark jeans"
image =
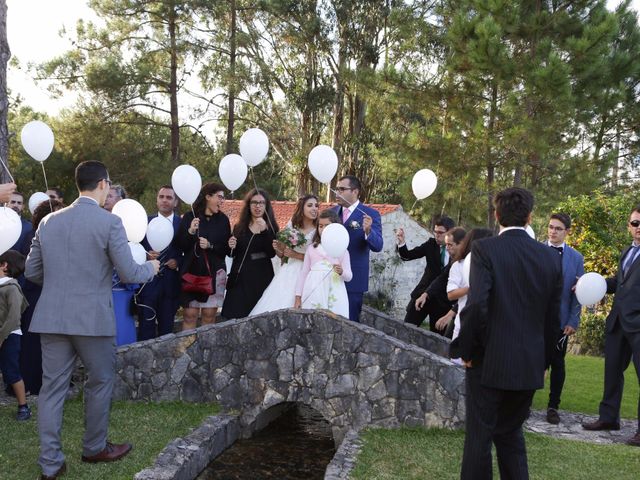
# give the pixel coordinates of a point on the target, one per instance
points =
(10, 359)
(494, 416)
(558, 373)
(434, 309)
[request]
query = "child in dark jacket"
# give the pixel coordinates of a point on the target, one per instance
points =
(12, 304)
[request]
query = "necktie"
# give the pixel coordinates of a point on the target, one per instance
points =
(345, 214)
(559, 249)
(631, 256)
(443, 252)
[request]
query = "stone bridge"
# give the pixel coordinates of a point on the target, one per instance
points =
(381, 372)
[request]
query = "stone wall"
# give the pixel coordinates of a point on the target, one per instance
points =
(354, 375)
(390, 279)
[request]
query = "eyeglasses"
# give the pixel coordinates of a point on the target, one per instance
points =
(343, 189)
(635, 223)
(556, 229)
(257, 203)
(220, 196)
(108, 181)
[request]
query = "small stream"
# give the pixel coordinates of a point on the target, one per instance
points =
(297, 445)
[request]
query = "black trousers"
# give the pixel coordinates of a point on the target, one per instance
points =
(620, 348)
(434, 309)
(558, 373)
(494, 416)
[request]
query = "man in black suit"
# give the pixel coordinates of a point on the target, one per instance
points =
(508, 330)
(435, 253)
(622, 334)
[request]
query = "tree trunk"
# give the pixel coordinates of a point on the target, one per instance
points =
(491, 220)
(338, 109)
(232, 79)
(5, 54)
(173, 91)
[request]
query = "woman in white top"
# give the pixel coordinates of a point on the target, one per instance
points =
(457, 286)
(281, 291)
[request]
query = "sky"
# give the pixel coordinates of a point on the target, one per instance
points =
(33, 28)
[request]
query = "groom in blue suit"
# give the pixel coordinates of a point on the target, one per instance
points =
(572, 269)
(158, 299)
(365, 234)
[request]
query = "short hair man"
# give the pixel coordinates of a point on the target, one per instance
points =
(55, 194)
(365, 235)
(16, 203)
(116, 193)
(73, 255)
(508, 328)
(572, 269)
(622, 334)
(159, 299)
(435, 253)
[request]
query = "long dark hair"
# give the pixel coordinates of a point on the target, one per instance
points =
(44, 209)
(473, 235)
(332, 215)
(200, 205)
(245, 214)
(297, 219)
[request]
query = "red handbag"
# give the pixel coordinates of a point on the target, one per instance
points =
(198, 283)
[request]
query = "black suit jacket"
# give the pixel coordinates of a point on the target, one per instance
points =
(431, 251)
(626, 303)
(510, 323)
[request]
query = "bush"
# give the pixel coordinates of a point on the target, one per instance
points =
(590, 335)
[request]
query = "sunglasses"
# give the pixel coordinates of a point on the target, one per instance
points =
(635, 223)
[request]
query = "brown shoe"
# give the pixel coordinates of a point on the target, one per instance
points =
(552, 416)
(61, 471)
(111, 453)
(600, 425)
(635, 440)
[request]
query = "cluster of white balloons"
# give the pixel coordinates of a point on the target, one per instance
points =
(233, 168)
(159, 231)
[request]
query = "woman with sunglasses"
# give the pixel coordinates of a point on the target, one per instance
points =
(252, 250)
(204, 241)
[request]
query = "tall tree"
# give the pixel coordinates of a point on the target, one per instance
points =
(5, 54)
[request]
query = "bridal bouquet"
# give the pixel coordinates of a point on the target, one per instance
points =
(291, 238)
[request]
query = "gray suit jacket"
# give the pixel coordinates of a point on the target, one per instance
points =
(72, 256)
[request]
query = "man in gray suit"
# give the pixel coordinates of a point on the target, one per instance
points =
(73, 255)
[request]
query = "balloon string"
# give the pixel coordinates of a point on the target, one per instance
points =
(414, 204)
(46, 184)
(253, 176)
(6, 167)
(314, 288)
(135, 300)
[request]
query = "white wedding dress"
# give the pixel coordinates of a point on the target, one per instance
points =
(281, 292)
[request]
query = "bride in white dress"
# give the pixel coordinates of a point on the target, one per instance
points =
(281, 291)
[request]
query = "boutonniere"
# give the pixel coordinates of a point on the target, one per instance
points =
(354, 224)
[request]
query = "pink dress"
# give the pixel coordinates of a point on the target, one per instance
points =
(321, 287)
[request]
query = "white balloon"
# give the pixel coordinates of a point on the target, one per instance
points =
(530, 231)
(37, 140)
(323, 163)
(10, 228)
(591, 288)
(137, 252)
(254, 146)
(134, 218)
(159, 233)
(424, 183)
(36, 199)
(232, 171)
(335, 240)
(186, 182)
(466, 268)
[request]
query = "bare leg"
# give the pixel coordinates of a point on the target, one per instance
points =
(189, 318)
(209, 315)
(18, 389)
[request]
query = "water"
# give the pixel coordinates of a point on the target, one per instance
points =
(297, 445)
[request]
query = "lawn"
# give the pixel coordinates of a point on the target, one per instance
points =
(149, 426)
(418, 453)
(582, 390)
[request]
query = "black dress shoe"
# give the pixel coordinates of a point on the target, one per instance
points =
(61, 471)
(600, 425)
(552, 416)
(635, 440)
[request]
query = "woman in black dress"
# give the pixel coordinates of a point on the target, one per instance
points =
(30, 352)
(204, 238)
(252, 250)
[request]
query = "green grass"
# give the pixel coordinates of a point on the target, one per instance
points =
(418, 453)
(149, 426)
(582, 390)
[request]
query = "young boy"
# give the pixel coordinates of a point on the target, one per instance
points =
(12, 304)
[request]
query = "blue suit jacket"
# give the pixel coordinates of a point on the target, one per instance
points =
(27, 228)
(359, 247)
(572, 269)
(168, 283)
